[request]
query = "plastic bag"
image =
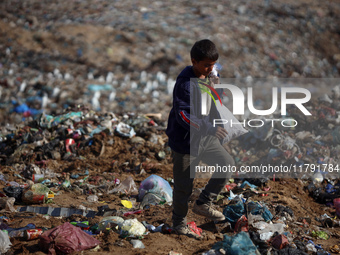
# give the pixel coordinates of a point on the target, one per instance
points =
(239, 244)
(7, 203)
(279, 242)
(126, 203)
(320, 234)
(110, 222)
(128, 186)
(265, 228)
(132, 227)
(49, 121)
(157, 185)
(137, 244)
(233, 212)
(125, 130)
(5, 243)
(256, 208)
(66, 238)
(193, 227)
(241, 224)
(92, 198)
(15, 192)
(152, 199)
(233, 126)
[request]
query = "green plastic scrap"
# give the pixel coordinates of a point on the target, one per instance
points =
(49, 121)
(320, 234)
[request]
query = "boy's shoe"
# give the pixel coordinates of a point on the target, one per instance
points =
(185, 230)
(209, 212)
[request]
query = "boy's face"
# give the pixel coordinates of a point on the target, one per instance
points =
(203, 68)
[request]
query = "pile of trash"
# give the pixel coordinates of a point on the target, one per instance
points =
(252, 228)
(116, 172)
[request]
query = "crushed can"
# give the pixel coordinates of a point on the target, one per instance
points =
(31, 234)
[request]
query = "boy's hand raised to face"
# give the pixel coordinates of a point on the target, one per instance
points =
(214, 80)
(221, 133)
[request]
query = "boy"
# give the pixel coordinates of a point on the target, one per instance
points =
(192, 137)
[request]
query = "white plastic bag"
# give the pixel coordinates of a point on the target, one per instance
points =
(137, 244)
(230, 123)
(133, 227)
(5, 243)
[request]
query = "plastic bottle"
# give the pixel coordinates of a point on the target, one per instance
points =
(37, 178)
(37, 194)
(29, 197)
(66, 182)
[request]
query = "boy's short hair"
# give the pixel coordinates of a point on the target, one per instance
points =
(204, 49)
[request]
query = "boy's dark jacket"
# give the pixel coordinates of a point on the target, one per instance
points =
(186, 124)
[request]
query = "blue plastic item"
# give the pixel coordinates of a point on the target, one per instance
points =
(234, 211)
(157, 185)
(21, 108)
(18, 232)
(99, 87)
(249, 184)
(330, 188)
(256, 208)
(239, 244)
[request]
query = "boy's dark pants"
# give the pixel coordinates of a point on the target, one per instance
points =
(210, 152)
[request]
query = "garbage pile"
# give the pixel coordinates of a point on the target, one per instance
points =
(252, 228)
(108, 178)
(85, 91)
(260, 38)
(75, 56)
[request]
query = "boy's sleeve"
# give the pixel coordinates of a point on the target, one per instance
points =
(182, 105)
